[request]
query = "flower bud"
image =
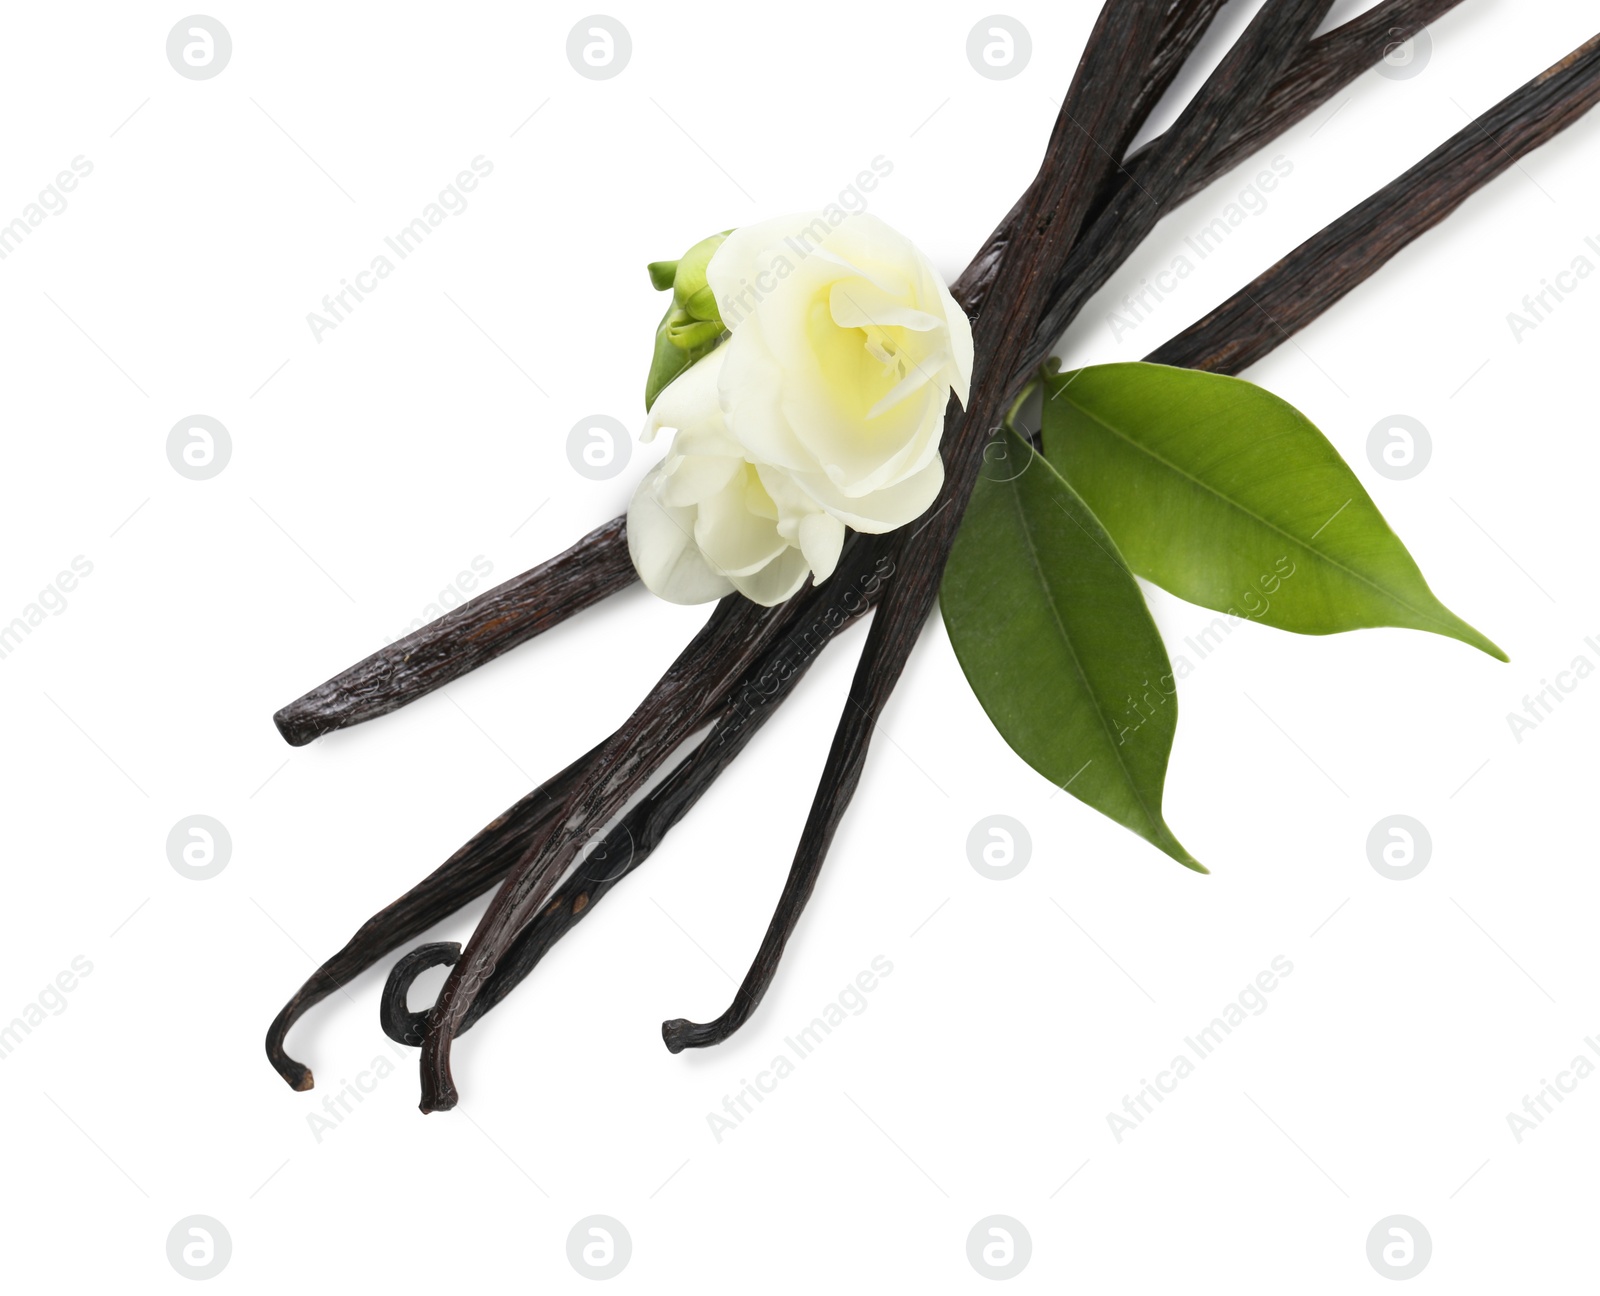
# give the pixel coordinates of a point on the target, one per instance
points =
(692, 326)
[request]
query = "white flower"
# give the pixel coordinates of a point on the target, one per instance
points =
(707, 521)
(822, 410)
(845, 348)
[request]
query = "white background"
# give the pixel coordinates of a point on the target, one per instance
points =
(428, 429)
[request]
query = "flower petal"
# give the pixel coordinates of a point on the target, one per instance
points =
(961, 354)
(776, 582)
(736, 540)
(821, 539)
(860, 303)
(689, 401)
(882, 510)
(742, 270)
(661, 544)
(688, 479)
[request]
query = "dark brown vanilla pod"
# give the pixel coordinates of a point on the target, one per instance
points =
(1148, 189)
(1010, 323)
(485, 860)
(1323, 68)
(465, 638)
(1327, 65)
(735, 637)
(1186, 23)
(1548, 104)
(372, 688)
(512, 613)
(395, 1017)
(1098, 106)
(1185, 26)
(461, 879)
(1327, 266)
(1276, 296)
(865, 569)
(1266, 302)
(1345, 248)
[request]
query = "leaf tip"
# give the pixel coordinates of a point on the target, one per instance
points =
(1481, 642)
(1169, 845)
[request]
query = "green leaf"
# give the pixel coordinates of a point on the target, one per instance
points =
(1229, 497)
(1055, 639)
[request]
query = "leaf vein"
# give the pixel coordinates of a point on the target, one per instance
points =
(1155, 820)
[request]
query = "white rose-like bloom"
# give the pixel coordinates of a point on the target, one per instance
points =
(822, 410)
(706, 521)
(845, 347)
